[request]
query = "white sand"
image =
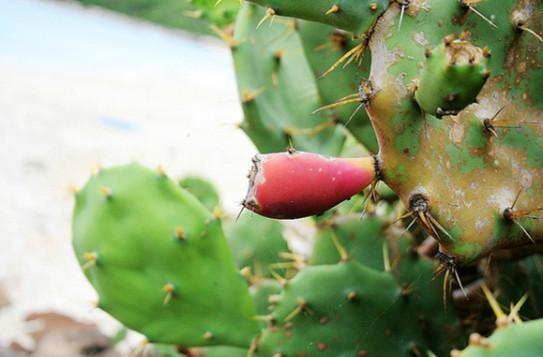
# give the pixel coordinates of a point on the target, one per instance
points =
(83, 87)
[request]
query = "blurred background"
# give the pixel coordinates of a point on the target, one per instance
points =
(93, 83)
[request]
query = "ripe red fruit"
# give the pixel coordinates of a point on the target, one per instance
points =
(300, 184)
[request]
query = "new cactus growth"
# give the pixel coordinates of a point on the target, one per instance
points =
(452, 77)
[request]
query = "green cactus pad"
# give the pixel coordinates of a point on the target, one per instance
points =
(159, 260)
(323, 47)
(364, 242)
(278, 108)
(342, 310)
(513, 340)
(278, 111)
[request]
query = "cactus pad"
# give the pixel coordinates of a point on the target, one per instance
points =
(461, 174)
(159, 261)
(344, 309)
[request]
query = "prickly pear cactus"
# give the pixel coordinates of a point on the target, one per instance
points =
(443, 99)
(159, 260)
(454, 98)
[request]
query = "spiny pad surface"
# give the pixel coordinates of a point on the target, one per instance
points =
(278, 70)
(342, 310)
(159, 261)
(468, 174)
